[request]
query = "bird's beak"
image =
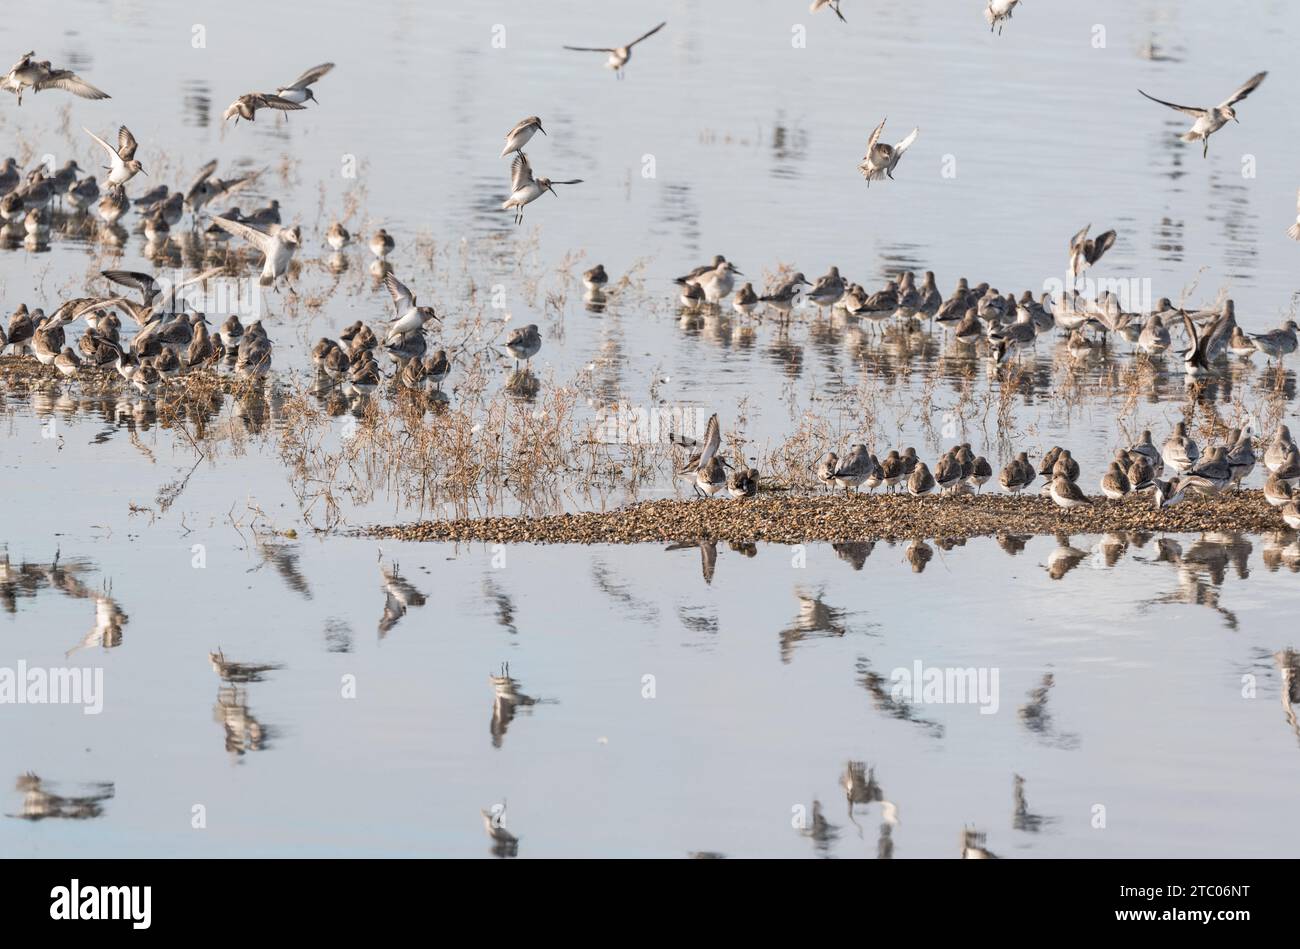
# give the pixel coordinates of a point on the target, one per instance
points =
(540, 129)
(143, 172)
(551, 190)
(1235, 119)
(739, 273)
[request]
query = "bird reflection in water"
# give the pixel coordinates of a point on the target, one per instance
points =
(504, 843)
(399, 596)
(1021, 817)
(708, 555)
(816, 620)
(860, 788)
(506, 702)
(39, 802)
(1036, 717)
(1288, 663)
(244, 733)
(881, 691)
(820, 831)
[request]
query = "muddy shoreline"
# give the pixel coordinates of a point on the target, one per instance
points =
(793, 520)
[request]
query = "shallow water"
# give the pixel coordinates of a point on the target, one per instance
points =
(759, 695)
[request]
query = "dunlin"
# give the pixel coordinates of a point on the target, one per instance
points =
(828, 289)
(299, 91)
(1277, 343)
(1180, 452)
(1274, 455)
(881, 159)
(1209, 120)
(1085, 251)
(522, 134)
(1017, 475)
(743, 483)
(998, 12)
(920, 481)
(825, 468)
(246, 106)
(1115, 483)
(410, 318)
(711, 477)
(703, 450)
(524, 188)
(277, 248)
(595, 278)
(785, 295)
(1067, 494)
(524, 343)
(1277, 491)
(618, 55)
(337, 236)
(123, 164)
(745, 300)
(205, 188)
(27, 73)
(856, 467)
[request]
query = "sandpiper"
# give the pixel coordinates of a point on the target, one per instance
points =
(300, 91)
(947, 472)
(998, 12)
(920, 481)
(825, 469)
(1067, 494)
(1277, 343)
(1085, 251)
(743, 483)
(856, 467)
(524, 343)
(711, 477)
(1168, 493)
(1065, 466)
(1241, 455)
(113, 205)
(67, 362)
(618, 55)
(1288, 471)
(745, 300)
(1203, 347)
(1179, 451)
(1240, 344)
(1154, 337)
(892, 470)
(124, 165)
(522, 134)
(595, 278)
(1274, 455)
(1291, 515)
(1277, 491)
(1212, 473)
(784, 296)
(205, 188)
(691, 296)
(881, 159)
(828, 289)
(277, 248)
(1146, 448)
(27, 73)
(337, 236)
(524, 188)
(717, 283)
(980, 472)
(701, 451)
(832, 5)
(381, 244)
(246, 106)
(410, 318)
(1017, 475)
(1210, 120)
(718, 260)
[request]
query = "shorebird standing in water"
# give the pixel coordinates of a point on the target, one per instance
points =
(299, 91)
(881, 159)
(522, 134)
(717, 283)
(1210, 120)
(124, 165)
(525, 189)
(29, 74)
(618, 55)
(524, 343)
(1277, 343)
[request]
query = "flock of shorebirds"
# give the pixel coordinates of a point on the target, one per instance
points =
(1136, 468)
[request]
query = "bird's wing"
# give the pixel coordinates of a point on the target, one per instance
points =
(519, 126)
(27, 58)
(905, 144)
(571, 181)
(126, 143)
(1189, 110)
(403, 299)
(1246, 89)
(647, 35)
(875, 136)
(310, 76)
(143, 282)
(107, 147)
(590, 49)
(267, 100)
(712, 440)
(203, 175)
(1079, 238)
(65, 80)
(1100, 245)
(258, 238)
(521, 173)
(1193, 341)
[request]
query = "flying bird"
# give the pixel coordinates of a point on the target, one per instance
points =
(522, 134)
(246, 106)
(124, 165)
(1086, 251)
(881, 160)
(1210, 120)
(410, 318)
(27, 73)
(299, 91)
(277, 245)
(833, 5)
(618, 55)
(524, 188)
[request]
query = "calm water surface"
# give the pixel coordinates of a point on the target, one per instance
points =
(771, 667)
